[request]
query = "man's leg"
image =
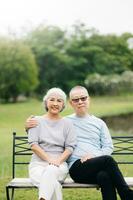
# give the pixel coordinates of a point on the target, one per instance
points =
(90, 172)
(87, 172)
(107, 188)
(111, 167)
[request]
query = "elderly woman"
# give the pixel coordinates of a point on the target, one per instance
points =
(52, 142)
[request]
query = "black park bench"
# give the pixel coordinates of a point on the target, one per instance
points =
(123, 153)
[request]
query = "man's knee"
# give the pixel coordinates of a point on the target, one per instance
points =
(102, 177)
(110, 160)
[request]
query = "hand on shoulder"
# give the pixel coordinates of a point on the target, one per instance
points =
(31, 122)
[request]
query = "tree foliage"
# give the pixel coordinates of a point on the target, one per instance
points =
(47, 44)
(18, 70)
(113, 84)
(64, 58)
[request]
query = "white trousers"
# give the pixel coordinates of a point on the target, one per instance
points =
(47, 178)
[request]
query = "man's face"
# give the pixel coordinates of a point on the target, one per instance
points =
(80, 101)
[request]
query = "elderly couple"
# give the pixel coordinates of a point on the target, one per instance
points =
(80, 143)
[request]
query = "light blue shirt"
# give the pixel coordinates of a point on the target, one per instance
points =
(93, 137)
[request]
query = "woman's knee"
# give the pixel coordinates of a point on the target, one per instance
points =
(52, 169)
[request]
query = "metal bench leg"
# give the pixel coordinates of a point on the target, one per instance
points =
(12, 196)
(7, 193)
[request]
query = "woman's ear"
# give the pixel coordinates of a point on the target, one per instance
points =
(45, 105)
(62, 107)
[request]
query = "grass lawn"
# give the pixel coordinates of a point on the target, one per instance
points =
(12, 118)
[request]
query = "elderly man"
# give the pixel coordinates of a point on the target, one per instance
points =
(91, 161)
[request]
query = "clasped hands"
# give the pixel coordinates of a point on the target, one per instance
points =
(53, 161)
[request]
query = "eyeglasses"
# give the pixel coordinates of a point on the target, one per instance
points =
(81, 98)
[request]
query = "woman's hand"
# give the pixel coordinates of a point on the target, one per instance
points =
(62, 158)
(55, 162)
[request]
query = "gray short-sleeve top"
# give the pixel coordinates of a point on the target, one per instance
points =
(53, 136)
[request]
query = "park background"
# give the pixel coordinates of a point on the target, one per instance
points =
(45, 56)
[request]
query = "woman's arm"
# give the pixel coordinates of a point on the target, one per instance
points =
(33, 139)
(44, 156)
(64, 156)
(58, 161)
(40, 152)
(70, 143)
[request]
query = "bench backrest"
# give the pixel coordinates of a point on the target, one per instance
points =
(123, 146)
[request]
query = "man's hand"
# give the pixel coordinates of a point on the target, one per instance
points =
(85, 158)
(31, 122)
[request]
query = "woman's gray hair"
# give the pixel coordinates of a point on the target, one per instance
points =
(54, 91)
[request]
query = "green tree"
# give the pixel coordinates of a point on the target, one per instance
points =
(66, 57)
(115, 56)
(61, 56)
(47, 44)
(80, 53)
(18, 70)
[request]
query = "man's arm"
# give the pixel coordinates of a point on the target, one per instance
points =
(106, 141)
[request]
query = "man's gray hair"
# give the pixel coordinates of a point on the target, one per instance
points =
(77, 87)
(54, 91)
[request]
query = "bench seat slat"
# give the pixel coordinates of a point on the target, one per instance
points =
(69, 183)
(26, 183)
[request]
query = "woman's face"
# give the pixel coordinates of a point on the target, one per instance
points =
(54, 104)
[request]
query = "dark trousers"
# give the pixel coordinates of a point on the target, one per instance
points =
(105, 172)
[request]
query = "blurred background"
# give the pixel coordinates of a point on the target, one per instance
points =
(64, 43)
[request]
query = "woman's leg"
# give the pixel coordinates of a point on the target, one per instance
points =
(35, 172)
(62, 173)
(50, 181)
(47, 180)
(49, 187)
